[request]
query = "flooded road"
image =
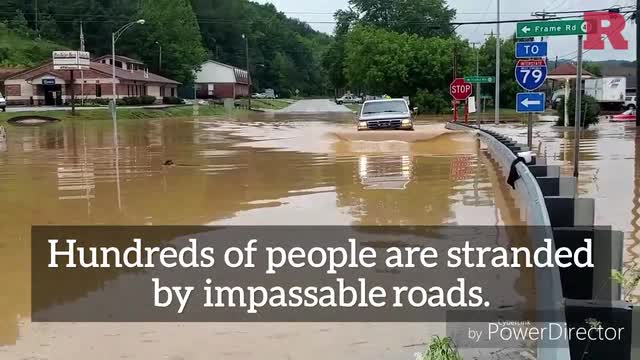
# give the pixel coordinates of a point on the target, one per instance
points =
(609, 172)
(315, 106)
(270, 169)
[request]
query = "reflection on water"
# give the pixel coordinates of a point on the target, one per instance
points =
(270, 171)
(385, 173)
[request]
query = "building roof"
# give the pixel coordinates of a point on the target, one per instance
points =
(6, 72)
(135, 75)
(120, 58)
(568, 71)
(104, 69)
(240, 76)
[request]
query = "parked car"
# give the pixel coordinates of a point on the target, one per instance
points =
(349, 99)
(627, 116)
(630, 103)
(3, 103)
(269, 94)
(385, 114)
(259, 96)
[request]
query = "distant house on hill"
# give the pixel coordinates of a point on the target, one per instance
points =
(42, 85)
(216, 80)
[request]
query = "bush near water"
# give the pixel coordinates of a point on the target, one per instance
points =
(590, 111)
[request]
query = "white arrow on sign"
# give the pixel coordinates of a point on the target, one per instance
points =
(526, 29)
(526, 102)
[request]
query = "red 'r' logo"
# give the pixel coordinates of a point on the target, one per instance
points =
(598, 32)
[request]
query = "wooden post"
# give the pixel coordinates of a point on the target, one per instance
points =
(466, 111)
(455, 111)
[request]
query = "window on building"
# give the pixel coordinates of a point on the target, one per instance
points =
(98, 91)
(173, 92)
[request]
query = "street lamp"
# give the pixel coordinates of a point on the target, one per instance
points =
(114, 37)
(159, 56)
(246, 44)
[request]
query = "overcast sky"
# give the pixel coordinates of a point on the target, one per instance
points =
(318, 13)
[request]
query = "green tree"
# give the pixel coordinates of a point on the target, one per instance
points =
(590, 111)
(422, 17)
(19, 24)
(333, 59)
(593, 68)
(382, 61)
(508, 86)
(47, 27)
(173, 24)
(276, 43)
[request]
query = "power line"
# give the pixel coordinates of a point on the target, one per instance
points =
(452, 23)
(216, 20)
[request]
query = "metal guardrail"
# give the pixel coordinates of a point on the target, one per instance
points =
(549, 295)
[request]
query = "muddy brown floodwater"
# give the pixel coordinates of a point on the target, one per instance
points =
(609, 172)
(274, 169)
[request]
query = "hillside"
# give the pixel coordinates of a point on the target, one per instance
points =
(285, 54)
(21, 50)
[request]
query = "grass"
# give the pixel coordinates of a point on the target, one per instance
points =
(18, 50)
(265, 104)
(274, 104)
(139, 113)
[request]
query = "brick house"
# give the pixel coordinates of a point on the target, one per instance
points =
(42, 85)
(216, 80)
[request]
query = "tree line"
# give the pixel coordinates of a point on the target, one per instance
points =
(394, 47)
(409, 48)
(285, 53)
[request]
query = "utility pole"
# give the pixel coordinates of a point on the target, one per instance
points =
(246, 45)
(578, 124)
(81, 71)
(159, 56)
(455, 74)
(637, 57)
(36, 6)
(498, 60)
(478, 84)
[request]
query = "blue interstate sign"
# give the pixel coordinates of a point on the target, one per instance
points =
(530, 102)
(531, 49)
(531, 74)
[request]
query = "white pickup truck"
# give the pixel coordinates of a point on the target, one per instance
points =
(390, 114)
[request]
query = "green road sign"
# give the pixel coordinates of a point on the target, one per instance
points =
(552, 28)
(480, 79)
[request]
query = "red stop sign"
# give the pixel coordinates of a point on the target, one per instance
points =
(459, 89)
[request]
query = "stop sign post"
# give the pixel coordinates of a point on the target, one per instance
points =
(460, 90)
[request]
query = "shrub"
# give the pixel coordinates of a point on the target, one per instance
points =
(440, 349)
(590, 111)
(131, 100)
(147, 99)
(172, 100)
(91, 102)
(428, 102)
